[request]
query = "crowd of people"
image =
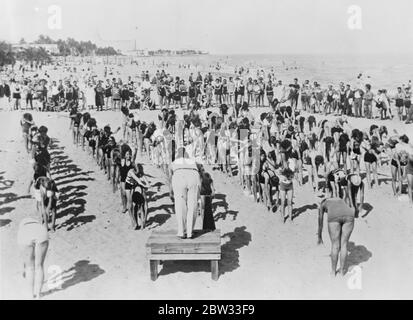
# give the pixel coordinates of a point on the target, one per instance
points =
(161, 89)
(268, 154)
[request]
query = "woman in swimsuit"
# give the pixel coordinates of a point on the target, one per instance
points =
(135, 186)
(115, 162)
(125, 165)
(40, 153)
(125, 119)
(107, 151)
(33, 241)
(268, 179)
(340, 224)
(355, 186)
(46, 195)
(131, 130)
(147, 139)
(84, 128)
(286, 193)
(76, 128)
(336, 182)
(26, 123)
(16, 95)
(405, 152)
(302, 147)
(224, 149)
(355, 150)
(370, 160)
(343, 149)
(32, 133)
(309, 159)
(396, 168)
(409, 173)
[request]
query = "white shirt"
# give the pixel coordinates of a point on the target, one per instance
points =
(146, 85)
(184, 163)
(279, 92)
(55, 91)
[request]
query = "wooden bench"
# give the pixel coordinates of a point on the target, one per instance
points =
(165, 245)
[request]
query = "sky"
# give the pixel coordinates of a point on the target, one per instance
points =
(219, 26)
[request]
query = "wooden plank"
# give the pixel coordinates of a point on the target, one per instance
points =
(185, 256)
(169, 236)
(153, 266)
(214, 270)
(179, 248)
(182, 242)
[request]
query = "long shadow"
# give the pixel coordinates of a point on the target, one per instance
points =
(157, 197)
(298, 211)
(74, 175)
(82, 271)
(368, 208)
(4, 222)
(229, 256)
(229, 251)
(157, 220)
(305, 180)
(5, 184)
(356, 255)
(222, 203)
(384, 180)
(75, 180)
(160, 218)
(71, 202)
(6, 210)
(11, 197)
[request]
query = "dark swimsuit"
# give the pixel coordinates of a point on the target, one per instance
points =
(338, 211)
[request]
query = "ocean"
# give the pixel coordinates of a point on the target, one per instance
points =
(380, 70)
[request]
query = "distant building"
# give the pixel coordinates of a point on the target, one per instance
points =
(137, 53)
(50, 48)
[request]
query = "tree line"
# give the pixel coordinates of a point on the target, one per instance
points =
(70, 46)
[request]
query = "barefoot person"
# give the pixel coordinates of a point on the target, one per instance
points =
(355, 187)
(286, 193)
(134, 182)
(46, 195)
(33, 240)
(26, 123)
(340, 221)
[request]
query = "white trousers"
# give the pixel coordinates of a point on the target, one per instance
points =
(185, 186)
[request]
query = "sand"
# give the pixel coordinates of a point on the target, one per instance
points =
(94, 254)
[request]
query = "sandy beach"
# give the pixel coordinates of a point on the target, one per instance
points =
(93, 254)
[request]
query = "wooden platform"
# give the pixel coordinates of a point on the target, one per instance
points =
(165, 245)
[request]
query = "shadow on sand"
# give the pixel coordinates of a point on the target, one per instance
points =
(72, 202)
(82, 271)
(357, 254)
(222, 203)
(229, 256)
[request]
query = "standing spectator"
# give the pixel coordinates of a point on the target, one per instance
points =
(108, 94)
(4, 95)
(348, 102)
(368, 102)
(358, 99)
(400, 96)
(99, 96)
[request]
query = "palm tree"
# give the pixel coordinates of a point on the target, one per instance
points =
(7, 56)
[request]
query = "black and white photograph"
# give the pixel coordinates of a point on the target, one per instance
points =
(206, 150)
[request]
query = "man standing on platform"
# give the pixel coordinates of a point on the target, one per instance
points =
(186, 184)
